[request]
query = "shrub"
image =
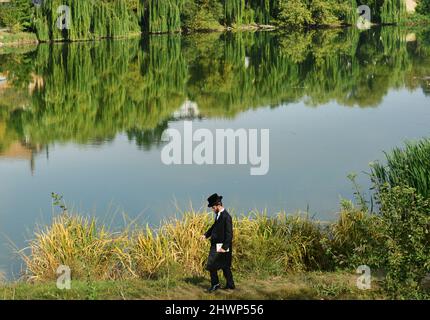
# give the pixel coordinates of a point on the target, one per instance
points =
(355, 239)
(294, 13)
(324, 12)
(16, 15)
(423, 7)
(406, 228)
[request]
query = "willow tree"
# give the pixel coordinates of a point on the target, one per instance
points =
(392, 11)
(83, 19)
(160, 16)
(385, 11)
(264, 9)
(233, 11)
(351, 15)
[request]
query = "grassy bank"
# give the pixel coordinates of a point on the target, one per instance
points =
(305, 258)
(312, 285)
(16, 39)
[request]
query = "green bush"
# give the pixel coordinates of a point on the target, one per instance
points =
(202, 15)
(16, 15)
(324, 12)
(294, 13)
(396, 241)
(406, 252)
(299, 13)
(355, 239)
(423, 7)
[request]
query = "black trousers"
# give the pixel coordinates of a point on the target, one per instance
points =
(228, 275)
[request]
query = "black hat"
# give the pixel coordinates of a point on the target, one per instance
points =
(214, 199)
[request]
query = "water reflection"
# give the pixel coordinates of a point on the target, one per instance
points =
(89, 92)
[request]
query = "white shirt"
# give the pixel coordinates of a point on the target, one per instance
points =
(218, 214)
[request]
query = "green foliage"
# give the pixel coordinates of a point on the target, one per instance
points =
(93, 19)
(233, 11)
(409, 166)
(300, 13)
(423, 7)
(89, 19)
(162, 15)
(16, 15)
(323, 12)
(263, 11)
(359, 197)
(202, 15)
(392, 11)
(294, 13)
(355, 239)
(396, 241)
(405, 252)
(385, 11)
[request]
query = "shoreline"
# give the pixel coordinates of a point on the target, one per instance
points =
(156, 279)
(282, 274)
(30, 38)
(27, 38)
(293, 286)
(10, 40)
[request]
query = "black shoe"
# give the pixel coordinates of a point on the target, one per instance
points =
(229, 287)
(214, 288)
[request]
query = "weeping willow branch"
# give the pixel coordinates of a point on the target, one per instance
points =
(93, 19)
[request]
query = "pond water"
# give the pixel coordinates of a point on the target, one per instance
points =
(85, 120)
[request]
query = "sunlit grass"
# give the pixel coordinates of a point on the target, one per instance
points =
(309, 285)
(263, 244)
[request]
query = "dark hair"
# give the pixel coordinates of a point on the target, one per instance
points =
(219, 203)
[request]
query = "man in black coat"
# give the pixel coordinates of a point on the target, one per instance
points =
(221, 233)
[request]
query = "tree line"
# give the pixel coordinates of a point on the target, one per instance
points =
(106, 18)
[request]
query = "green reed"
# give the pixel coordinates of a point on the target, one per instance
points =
(408, 166)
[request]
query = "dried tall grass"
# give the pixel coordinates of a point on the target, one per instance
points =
(282, 243)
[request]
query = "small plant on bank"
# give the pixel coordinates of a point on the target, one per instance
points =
(406, 248)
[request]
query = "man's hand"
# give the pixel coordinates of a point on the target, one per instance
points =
(221, 250)
(203, 237)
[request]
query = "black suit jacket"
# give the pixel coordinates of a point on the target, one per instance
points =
(222, 231)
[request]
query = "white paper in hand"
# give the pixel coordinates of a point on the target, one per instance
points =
(218, 247)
